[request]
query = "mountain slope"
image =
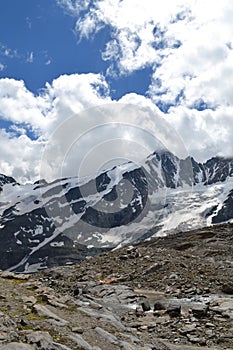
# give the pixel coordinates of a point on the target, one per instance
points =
(45, 224)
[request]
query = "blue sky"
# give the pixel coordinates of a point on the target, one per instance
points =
(42, 45)
(59, 57)
(42, 30)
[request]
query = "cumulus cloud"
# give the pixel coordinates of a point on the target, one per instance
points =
(19, 156)
(78, 125)
(66, 96)
(19, 105)
(113, 133)
(80, 130)
(137, 37)
(205, 133)
(188, 44)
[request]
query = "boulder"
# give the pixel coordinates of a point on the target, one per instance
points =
(227, 288)
(159, 306)
(146, 305)
(200, 310)
(174, 310)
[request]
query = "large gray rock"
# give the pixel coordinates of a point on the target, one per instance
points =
(109, 337)
(16, 346)
(78, 339)
(42, 339)
(57, 346)
(43, 311)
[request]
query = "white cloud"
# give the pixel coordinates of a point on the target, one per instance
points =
(75, 7)
(7, 52)
(19, 156)
(30, 57)
(77, 122)
(66, 96)
(2, 67)
(94, 139)
(47, 58)
(106, 135)
(200, 65)
(132, 35)
(205, 133)
(19, 105)
(21, 55)
(29, 22)
(70, 94)
(188, 44)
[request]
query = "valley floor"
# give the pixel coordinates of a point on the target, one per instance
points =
(172, 293)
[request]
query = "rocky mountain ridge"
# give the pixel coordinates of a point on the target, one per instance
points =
(48, 224)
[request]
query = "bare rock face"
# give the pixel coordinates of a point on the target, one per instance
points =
(225, 213)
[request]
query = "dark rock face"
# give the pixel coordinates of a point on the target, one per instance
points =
(17, 255)
(169, 168)
(214, 170)
(199, 173)
(102, 218)
(218, 169)
(226, 212)
(6, 180)
(21, 235)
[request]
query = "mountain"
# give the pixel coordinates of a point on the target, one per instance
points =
(46, 224)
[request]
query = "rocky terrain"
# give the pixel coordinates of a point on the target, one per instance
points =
(171, 293)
